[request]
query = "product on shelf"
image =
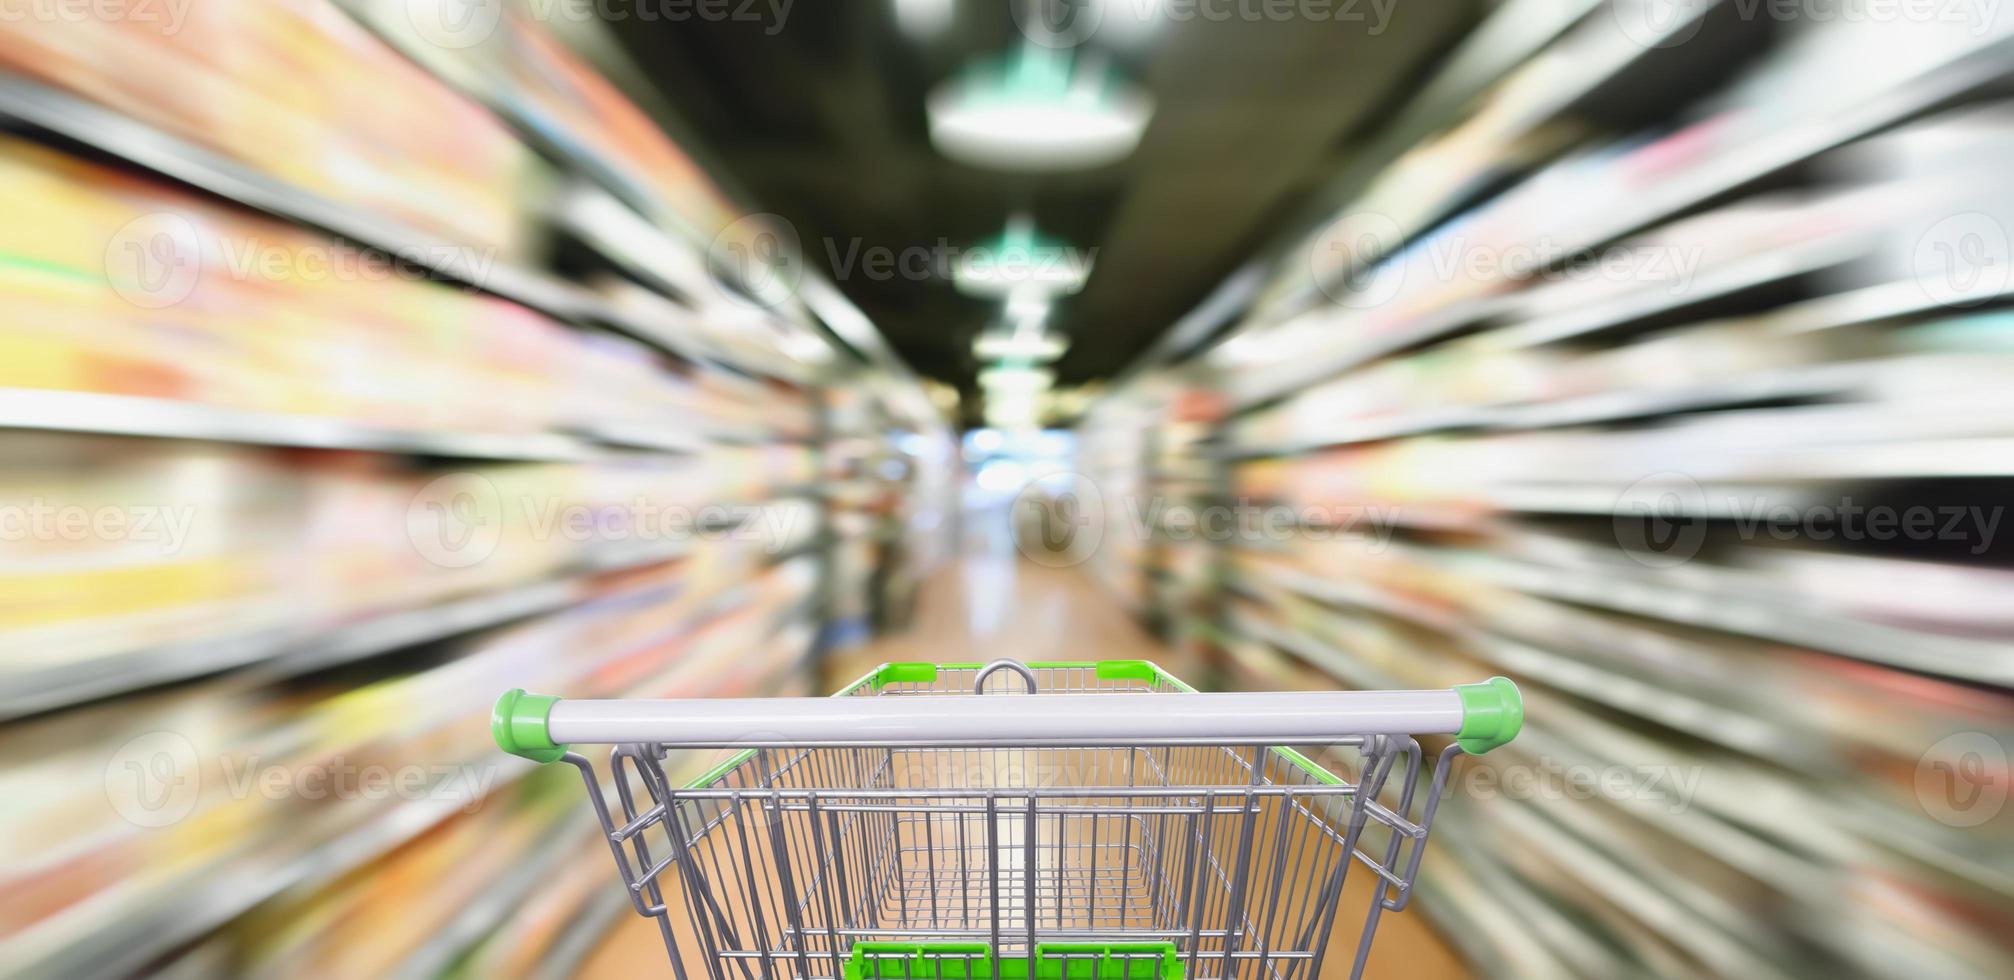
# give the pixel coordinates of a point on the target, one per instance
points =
(142, 552)
(1675, 508)
(523, 69)
(123, 286)
(284, 512)
(274, 788)
(297, 92)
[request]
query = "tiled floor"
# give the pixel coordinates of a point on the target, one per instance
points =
(993, 606)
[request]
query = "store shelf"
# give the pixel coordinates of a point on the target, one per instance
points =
(1804, 669)
(1888, 300)
(743, 393)
(1789, 384)
(1676, 709)
(75, 119)
(684, 285)
(1965, 70)
(141, 931)
(619, 233)
(606, 910)
(1673, 909)
(1273, 383)
(657, 438)
(47, 110)
(1349, 432)
(1339, 664)
(96, 413)
(1661, 299)
(1837, 843)
(1515, 34)
(147, 931)
(499, 900)
(1686, 603)
(477, 76)
(286, 652)
(1978, 661)
(1495, 919)
(608, 207)
(1720, 820)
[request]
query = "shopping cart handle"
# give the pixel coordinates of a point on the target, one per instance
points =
(1479, 716)
(518, 723)
(1492, 714)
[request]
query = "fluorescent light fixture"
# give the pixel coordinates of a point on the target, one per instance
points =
(1024, 305)
(1036, 135)
(1013, 410)
(1016, 379)
(1040, 109)
(1035, 348)
(1021, 264)
(923, 19)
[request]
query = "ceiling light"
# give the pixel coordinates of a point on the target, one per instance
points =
(1022, 263)
(1016, 379)
(923, 18)
(1040, 109)
(1013, 410)
(1037, 349)
(1025, 306)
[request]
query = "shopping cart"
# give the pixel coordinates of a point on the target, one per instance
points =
(1115, 826)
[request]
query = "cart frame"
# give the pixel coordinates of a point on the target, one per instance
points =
(894, 831)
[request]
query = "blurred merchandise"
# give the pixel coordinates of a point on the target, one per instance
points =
(273, 552)
(1699, 433)
(367, 358)
(522, 70)
(315, 442)
(297, 92)
(292, 323)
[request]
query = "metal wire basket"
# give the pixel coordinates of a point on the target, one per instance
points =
(1114, 826)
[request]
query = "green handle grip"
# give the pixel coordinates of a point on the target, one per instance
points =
(1492, 714)
(519, 724)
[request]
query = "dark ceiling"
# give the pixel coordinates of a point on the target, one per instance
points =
(823, 122)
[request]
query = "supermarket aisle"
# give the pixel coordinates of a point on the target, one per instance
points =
(993, 605)
(365, 360)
